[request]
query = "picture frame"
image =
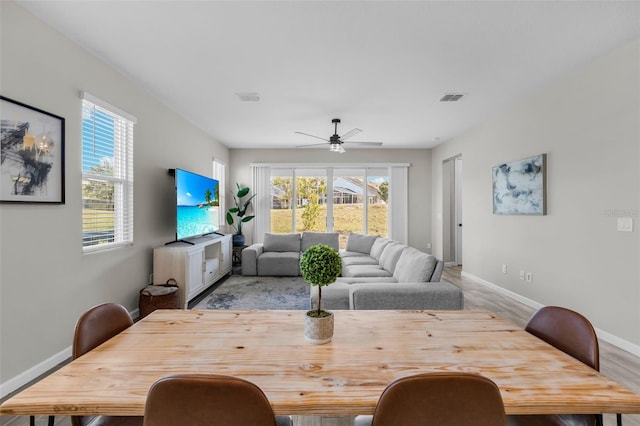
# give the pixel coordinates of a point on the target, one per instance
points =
(31, 154)
(520, 187)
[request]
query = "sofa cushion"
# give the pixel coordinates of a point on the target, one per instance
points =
(378, 245)
(309, 239)
(281, 242)
(359, 260)
(365, 271)
(414, 266)
(390, 255)
(360, 243)
(279, 264)
(344, 254)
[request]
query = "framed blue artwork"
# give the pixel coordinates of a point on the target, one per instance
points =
(520, 187)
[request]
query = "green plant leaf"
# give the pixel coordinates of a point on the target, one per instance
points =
(233, 210)
(242, 192)
(229, 219)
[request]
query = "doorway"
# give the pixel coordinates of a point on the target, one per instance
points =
(452, 211)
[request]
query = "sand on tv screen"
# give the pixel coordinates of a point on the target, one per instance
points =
(197, 204)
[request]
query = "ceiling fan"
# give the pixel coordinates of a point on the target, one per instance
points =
(335, 141)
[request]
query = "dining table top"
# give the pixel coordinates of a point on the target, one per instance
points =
(346, 376)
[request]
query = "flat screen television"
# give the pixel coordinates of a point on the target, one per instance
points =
(197, 204)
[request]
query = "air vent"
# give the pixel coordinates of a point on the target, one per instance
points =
(249, 97)
(451, 97)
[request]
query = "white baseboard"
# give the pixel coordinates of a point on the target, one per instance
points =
(607, 337)
(25, 377)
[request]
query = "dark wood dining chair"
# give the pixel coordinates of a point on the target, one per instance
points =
(95, 327)
(208, 400)
(443, 399)
(574, 335)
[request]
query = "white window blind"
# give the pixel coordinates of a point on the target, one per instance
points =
(107, 175)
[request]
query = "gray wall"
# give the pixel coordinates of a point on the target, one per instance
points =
(419, 176)
(45, 280)
(588, 123)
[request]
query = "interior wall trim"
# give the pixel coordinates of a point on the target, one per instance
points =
(38, 370)
(606, 336)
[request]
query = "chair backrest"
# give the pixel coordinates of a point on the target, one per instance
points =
(199, 399)
(95, 327)
(98, 325)
(568, 331)
(443, 399)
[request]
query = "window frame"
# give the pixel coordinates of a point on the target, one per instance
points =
(122, 147)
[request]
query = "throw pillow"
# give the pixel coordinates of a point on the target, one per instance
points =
(378, 245)
(360, 243)
(312, 238)
(414, 266)
(281, 242)
(390, 255)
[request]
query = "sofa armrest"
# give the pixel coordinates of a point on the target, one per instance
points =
(437, 272)
(250, 259)
(419, 296)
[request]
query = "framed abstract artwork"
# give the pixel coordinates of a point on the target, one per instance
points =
(31, 154)
(520, 187)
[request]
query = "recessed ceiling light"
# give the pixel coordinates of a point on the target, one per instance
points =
(249, 97)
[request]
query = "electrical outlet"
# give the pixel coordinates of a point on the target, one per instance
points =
(521, 274)
(504, 268)
(529, 277)
(428, 245)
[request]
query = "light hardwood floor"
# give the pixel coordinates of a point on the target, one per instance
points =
(615, 363)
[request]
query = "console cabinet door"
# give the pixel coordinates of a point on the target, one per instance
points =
(195, 272)
(226, 255)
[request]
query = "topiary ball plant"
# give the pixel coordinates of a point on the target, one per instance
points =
(320, 265)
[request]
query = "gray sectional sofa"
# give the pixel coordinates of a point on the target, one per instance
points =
(377, 272)
(279, 254)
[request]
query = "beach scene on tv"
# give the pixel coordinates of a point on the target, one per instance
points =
(197, 206)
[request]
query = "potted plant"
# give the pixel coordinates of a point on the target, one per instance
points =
(320, 265)
(239, 211)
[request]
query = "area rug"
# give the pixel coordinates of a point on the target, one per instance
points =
(238, 292)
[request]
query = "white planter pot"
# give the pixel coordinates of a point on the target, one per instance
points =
(318, 331)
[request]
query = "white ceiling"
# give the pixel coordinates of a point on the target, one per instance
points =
(381, 66)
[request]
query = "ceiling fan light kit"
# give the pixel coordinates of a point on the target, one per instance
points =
(336, 141)
(336, 147)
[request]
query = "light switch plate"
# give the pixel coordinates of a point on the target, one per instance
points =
(625, 224)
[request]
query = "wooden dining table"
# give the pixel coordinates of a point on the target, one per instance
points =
(369, 350)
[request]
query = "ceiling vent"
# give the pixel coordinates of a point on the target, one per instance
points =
(249, 97)
(451, 97)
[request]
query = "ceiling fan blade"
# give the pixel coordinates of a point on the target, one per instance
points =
(313, 136)
(365, 143)
(350, 134)
(312, 145)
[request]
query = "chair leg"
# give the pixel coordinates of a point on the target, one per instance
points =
(619, 419)
(32, 420)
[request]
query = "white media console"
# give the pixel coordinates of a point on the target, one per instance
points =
(195, 265)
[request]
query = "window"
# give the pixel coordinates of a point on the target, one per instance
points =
(219, 172)
(299, 200)
(107, 175)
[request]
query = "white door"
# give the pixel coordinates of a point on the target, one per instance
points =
(458, 210)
